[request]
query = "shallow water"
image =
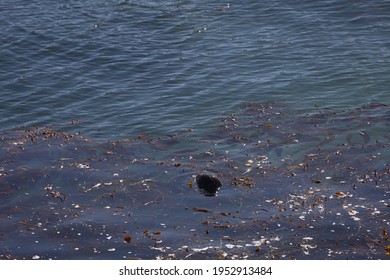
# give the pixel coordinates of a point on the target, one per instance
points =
(302, 187)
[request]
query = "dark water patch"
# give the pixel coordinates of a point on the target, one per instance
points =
(304, 186)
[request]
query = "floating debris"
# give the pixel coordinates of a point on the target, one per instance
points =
(299, 188)
(127, 238)
(243, 181)
(387, 248)
(204, 210)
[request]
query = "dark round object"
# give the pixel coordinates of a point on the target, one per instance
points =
(208, 184)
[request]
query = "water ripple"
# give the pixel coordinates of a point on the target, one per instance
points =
(133, 66)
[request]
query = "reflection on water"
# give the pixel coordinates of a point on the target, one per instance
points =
(305, 186)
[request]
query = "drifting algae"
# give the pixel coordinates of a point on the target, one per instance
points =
(312, 186)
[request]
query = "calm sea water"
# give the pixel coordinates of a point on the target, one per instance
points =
(285, 101)
(127, 67)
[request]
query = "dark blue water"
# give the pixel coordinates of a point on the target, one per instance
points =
(110, 108)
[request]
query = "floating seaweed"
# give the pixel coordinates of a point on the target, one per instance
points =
(300, 186)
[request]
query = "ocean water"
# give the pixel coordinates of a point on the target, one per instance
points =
(110, 108)
(127, 67)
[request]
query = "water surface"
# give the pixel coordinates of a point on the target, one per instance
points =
(109, 108)
(301, 187)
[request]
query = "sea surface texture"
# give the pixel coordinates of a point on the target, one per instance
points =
(110, 109)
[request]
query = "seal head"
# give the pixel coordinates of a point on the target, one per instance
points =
(208, 185)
